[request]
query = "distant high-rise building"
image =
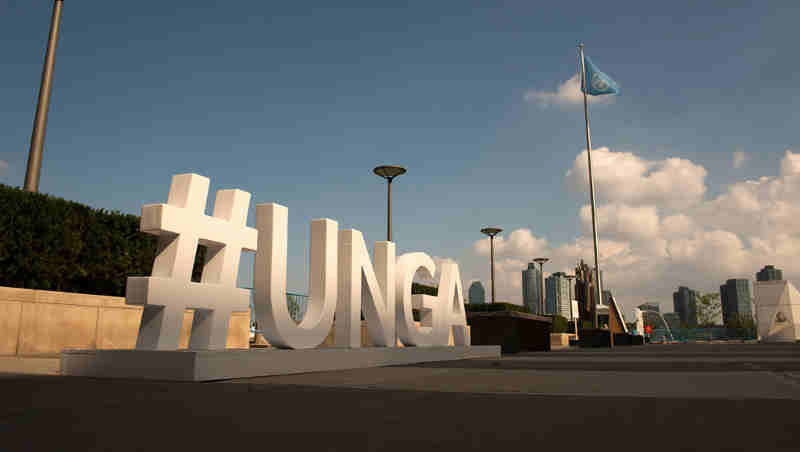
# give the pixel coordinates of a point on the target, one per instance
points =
(650, 306)
(477, 294)
(769, 273)
(735, 298)
(531, 293)
(685, 304)
(572, 288)
(673, 319)
(558, 297)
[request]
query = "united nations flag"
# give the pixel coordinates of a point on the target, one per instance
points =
(596, 82)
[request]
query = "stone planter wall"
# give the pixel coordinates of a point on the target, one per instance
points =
(595, 337)
(560, 339)
(591, 337)
(42, 322)
(513, 331)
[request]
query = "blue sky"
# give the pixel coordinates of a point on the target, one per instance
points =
(296, 103)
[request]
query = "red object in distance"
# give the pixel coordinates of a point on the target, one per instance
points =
(648, 329)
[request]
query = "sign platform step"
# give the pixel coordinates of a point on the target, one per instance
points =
(210, 365)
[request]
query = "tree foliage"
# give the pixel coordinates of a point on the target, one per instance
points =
(708, 309)
(294, 307)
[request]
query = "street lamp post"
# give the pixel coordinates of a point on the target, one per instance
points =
(389, 172)
(491, 232)
(40, 120)
(541, 261)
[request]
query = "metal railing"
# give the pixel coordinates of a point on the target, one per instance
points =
(702, 334)
(296, 302)
(663, 321)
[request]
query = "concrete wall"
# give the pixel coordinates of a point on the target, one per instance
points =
(38, 322)
(561, 339)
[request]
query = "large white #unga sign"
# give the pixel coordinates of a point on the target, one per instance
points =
(342, 279)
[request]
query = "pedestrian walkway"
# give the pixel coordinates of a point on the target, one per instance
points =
(512, 403)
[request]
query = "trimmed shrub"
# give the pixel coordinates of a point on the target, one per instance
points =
(422, 289)
(560, 324)
(50, 243)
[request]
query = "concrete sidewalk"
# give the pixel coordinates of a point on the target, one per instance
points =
(706, 385)
(72, 413)
(493, 404)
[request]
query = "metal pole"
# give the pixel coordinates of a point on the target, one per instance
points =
(591, 184)
(40, 120)
(541, 290)
(389, 214)
(571, 314)
(491, 247)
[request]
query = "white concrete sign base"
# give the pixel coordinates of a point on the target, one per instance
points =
(208, 365)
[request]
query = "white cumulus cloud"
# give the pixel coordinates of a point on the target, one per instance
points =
(627, 178)
(520, 243)
(567, 93)
(658, 230)
(739, 159)
(622, 221)
(422, 276)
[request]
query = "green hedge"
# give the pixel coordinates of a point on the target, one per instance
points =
(494, 307)
(422, 289)
(53, 244)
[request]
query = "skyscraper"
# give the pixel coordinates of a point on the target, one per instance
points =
(572, 288)
(531, 295)
(685, 303)
(769, 273)
(477, 294)
(558, 294)
(735, 297)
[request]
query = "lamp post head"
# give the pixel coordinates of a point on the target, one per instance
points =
(541, 260)
(389, 172)
(491, 232)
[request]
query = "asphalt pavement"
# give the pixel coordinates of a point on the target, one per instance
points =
(710, 397)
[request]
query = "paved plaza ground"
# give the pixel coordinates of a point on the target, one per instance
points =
(709, 397)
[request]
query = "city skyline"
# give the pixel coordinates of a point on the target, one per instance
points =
(296, 104)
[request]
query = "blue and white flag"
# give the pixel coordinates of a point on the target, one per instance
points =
(598, 82)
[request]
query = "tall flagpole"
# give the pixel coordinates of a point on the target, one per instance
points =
(591, 185)
(40, 120)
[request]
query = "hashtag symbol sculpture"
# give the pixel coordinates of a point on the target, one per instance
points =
(181, 224)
